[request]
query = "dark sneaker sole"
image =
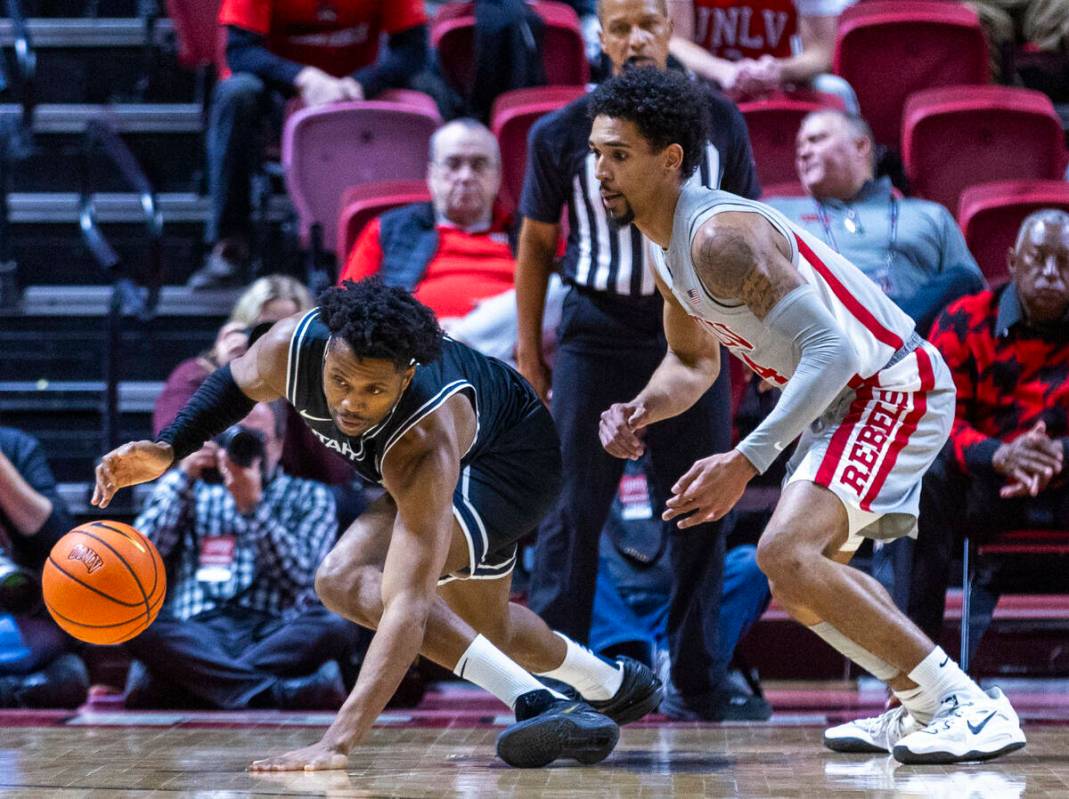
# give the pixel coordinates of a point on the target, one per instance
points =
(903, 755)
(635, 707)
(853, 746)
(537, 742)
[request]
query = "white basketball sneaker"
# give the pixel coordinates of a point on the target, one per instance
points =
(965, 729)
(876, 734)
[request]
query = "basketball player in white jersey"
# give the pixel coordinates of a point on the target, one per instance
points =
(872, 401)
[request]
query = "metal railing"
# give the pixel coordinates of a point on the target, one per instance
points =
(16, 140)
(129, 297)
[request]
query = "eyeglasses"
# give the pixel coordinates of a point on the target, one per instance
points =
(479, 164)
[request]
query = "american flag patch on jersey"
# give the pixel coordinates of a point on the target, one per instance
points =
(693, 297)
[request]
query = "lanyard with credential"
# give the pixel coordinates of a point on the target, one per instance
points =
(829, 234)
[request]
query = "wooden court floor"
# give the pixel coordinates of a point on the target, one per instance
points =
(763, 760)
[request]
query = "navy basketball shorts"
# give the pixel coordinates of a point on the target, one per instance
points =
(502, 495)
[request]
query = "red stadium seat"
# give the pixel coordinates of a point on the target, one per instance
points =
(563, 51)
(326, 150)
(200, 42)
(957, 136)
(1038, 544)
(991, 214)
(511, 119)
(361, 204)
(891, 48)
(773, 123)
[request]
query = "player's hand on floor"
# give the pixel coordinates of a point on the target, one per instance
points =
(317, 757)
(130, 464)
(709, 489)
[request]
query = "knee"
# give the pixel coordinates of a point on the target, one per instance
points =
(239, 92)
(338, 585)
(782, 560)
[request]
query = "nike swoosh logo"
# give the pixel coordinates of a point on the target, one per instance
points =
(945, 661)
(976, 730)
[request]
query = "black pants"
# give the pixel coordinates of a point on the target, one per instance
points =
(242, 108)
(953, 504)
(608, 349)
(232, 658)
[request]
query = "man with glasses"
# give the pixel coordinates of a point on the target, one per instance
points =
(455, 253)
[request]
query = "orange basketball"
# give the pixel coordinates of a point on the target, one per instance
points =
(104, 582)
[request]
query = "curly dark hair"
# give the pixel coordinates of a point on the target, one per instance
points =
(380, 321)
(665, 105)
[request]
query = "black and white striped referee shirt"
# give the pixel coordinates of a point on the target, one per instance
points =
(560, 171)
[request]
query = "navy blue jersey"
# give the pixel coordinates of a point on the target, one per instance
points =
(560, 171)
(501, 398)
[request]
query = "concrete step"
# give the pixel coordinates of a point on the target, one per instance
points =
(80, 8)
(104, 59)
(58, 335)
(165, 138)
(67, 418)
(86, 33)
(48, 247)
(128, 118)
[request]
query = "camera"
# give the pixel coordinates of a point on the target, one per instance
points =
(243, 446)
(20, 590)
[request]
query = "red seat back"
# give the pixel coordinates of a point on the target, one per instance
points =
(326, 150)
(887, 50)
(361, 204)
(773, 124)
(955, 137)
(563, 51)
(511, 119)
(197, 30)
(991, 214)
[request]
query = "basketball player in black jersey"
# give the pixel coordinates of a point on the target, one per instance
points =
(470, 461)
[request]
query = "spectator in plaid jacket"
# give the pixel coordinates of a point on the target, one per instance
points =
(241, 627)
(1004, 465)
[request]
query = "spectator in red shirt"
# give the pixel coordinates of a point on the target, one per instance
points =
(322, 51)
(752, 48)
(1003, 467)
(454, 253)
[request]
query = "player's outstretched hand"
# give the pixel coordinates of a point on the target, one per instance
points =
(709, 489)
(320, 756)
(130, 464)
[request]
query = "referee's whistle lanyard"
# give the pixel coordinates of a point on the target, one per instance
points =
(853, 227)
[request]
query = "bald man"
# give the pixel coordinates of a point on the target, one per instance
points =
(1004, 466)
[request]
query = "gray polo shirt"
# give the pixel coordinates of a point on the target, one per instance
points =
(927, 241)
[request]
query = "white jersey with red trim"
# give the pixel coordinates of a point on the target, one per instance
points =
(875, 326)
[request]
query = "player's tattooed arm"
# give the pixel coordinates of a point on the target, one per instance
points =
(740, 256)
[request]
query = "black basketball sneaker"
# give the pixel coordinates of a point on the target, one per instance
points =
(639, 693)
(548, 728)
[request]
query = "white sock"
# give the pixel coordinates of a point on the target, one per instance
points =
(587, 673)
(922, 706)
(939, 676)
(491, 669)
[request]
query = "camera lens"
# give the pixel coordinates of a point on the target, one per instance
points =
(242, 445)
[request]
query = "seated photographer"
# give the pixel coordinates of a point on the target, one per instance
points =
(37, 668)
(241, 627)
